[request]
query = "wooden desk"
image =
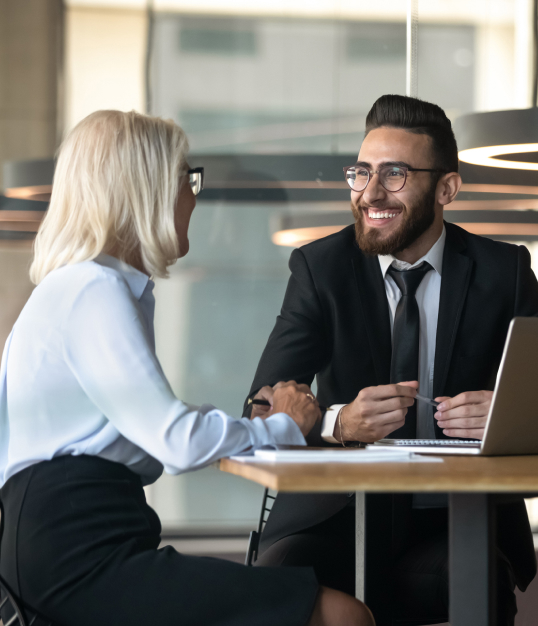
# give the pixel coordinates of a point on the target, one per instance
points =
(475, 485)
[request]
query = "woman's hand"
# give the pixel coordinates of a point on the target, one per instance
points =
(298, 402)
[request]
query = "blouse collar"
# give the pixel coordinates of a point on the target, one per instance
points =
(137, 280)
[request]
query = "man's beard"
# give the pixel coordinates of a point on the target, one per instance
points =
(416, 219)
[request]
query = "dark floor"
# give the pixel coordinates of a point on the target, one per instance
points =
(229, 548)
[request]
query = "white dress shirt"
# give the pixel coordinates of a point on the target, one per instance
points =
(79, 375)
(427, 296)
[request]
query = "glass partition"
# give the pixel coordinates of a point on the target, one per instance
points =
(270, 84)
(273, 81)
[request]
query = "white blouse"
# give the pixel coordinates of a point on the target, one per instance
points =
(79, 375)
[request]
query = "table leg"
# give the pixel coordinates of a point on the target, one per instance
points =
(472, 559)
(360, 545)
(373, 546)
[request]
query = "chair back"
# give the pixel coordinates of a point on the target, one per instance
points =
(10, 612)
(255, 535)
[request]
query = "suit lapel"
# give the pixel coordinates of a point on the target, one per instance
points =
(375, 309)
(456, 274)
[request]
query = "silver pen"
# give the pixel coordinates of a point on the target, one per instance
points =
(427, 400)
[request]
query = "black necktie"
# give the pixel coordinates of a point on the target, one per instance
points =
(405, 339)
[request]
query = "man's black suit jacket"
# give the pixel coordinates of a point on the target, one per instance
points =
(335, 325)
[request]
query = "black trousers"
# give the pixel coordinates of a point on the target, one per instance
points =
(420, 575)
(80, 547)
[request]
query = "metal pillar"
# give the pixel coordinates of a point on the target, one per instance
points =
(472, 559)
(411, 88)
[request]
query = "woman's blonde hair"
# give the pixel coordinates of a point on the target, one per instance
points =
(115, 187)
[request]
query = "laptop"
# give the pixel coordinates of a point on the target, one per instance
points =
(512, 424)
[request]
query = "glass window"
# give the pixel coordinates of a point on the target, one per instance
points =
(287, 85)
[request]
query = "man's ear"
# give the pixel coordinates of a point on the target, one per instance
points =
(447, 188)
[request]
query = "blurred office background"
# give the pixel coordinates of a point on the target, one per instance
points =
(266, 90)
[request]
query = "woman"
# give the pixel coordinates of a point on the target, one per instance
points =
(87, 416)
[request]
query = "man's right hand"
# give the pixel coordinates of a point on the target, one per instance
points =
(376, 412)
(298, 402)
(260, 410)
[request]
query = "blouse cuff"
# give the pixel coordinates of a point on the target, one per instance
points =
(276, 429)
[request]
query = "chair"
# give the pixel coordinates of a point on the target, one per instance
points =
(255, 535)
(12, 612)
(9, 605)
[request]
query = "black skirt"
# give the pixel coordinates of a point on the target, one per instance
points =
(80, 546)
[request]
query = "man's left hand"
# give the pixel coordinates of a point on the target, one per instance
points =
(464, 416)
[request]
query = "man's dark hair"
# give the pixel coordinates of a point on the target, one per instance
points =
(423, 118)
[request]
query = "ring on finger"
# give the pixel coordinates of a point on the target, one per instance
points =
(309, 395)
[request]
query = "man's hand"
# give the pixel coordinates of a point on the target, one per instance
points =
(267, 393)
(465, 415)
(258, 410)
(298, 402)
(376, 412)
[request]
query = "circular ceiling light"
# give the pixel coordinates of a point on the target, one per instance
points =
(299, 229)
(25, 200)
(29, 180)
(506, 139)
(20, 220)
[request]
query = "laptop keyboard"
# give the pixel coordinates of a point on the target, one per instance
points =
(439, 443)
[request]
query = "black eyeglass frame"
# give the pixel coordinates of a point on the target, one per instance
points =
(197, 182)
(387, 167)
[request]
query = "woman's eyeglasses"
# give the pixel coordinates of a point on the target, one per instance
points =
(196, 179)
(392, 178)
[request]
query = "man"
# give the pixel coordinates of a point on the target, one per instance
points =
(398, 303)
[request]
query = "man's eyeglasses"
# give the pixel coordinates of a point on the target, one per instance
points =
(392, 178)
(196, 179)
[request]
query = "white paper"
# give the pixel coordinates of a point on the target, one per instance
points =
(330, 455)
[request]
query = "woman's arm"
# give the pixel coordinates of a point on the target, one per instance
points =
(107, 347)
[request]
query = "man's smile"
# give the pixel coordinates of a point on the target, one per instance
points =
(379, 217)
